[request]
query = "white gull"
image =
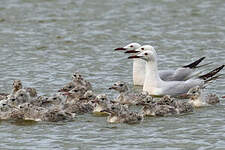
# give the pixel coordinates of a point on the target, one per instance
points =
(154, 85)
(180, 74)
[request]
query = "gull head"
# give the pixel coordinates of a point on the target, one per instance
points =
(119, 86)
(67, 87)
(17, 85)
(112, 111)
(148, 53)
(102, 98)
(77, 76)
(194, 93)
(76, 92)
(141, 49)
(4, 106)
(129, 47)
(89, 94)
(32, 92)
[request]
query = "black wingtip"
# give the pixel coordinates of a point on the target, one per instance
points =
(194, 64)
(211, 73)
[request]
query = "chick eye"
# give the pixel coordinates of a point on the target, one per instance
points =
(146, 54)
(70, 87)
(21, 94)
(54, 98)
(121, 85)
(131, 46)
(75, 90)
(142, 49)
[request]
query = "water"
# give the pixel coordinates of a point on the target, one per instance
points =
(43, 42)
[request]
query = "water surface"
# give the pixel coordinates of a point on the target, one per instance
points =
(43, 42)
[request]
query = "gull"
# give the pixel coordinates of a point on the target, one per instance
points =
(30, 112)
(17, 85)
(3, 96)
(79, 101)
(165, 106)
(120, 115)
(78, 107)
(126, 96)
(180, 106)
(197, 99)
(155, 86)
(158, 110)
(20, 97)
(180, 74)
(76, 93)
(51, 101)
(101, 103)
(69, 86)
(5, 110)
(57, 114)
(138, 69)
(32, 92)
(79, 80)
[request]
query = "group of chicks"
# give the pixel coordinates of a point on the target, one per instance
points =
(77, 98)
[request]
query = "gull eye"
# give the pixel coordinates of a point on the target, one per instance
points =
(131, 46)
(115, 84)
(22, 95)
(54, 98)
(142, 49)
(70, 87)
(145, 54)
(75, 90)
(121, 85)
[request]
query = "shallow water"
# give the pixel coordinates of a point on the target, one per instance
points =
(43, 42)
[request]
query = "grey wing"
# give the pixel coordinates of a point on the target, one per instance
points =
(166, 74)
(182, 87)
(181, 74)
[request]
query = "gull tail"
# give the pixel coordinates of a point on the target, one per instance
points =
(214, 78)
(194, 64)
(210, 76)
(204, 65)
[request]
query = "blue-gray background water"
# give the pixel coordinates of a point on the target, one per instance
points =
(42, 42)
